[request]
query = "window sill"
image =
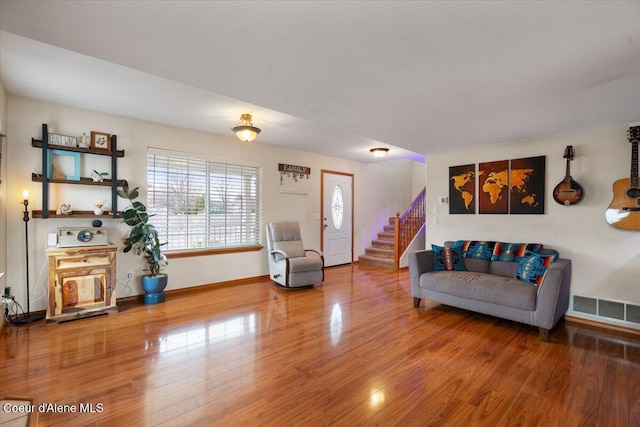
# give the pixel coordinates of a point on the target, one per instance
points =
(210, 251)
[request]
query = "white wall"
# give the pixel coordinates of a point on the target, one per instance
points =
(606, 261)
(3, 197)
(380, 189)
(3, 185)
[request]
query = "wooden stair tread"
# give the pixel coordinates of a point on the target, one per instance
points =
(382, 243)
(375, 260)
(384, 253)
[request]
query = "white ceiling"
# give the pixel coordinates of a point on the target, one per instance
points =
(336, 77)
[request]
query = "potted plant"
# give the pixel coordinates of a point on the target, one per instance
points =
(144, 239)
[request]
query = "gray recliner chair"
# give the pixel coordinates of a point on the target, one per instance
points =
(290, 264)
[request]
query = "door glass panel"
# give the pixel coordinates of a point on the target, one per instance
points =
(337, 207)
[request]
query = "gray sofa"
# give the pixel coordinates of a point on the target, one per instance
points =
(490, 287)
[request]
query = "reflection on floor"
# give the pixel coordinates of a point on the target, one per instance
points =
(352, 351)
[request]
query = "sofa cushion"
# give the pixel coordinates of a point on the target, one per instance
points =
(533, 268)
(513, 251)
(504, 268)
(447, 259)
(477, 265)
(489, 288)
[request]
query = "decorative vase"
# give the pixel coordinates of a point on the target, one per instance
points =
(153, 287)
(98, 210)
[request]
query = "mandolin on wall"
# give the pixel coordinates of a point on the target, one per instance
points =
(568, 192)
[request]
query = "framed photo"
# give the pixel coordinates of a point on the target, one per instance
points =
(100, 141)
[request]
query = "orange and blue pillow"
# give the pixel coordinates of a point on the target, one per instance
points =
(476, 249)
(533, 267)
(513, 251)
(447, 259)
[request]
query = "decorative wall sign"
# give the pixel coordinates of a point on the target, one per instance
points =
(294, 179)
(527, 185)
(493, 187)
(62, 140)
(462, 189)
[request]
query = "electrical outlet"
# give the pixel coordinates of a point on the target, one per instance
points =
(129, 275)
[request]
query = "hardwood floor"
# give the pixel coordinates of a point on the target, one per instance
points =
(353, 351)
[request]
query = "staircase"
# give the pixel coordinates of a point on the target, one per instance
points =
(395, 238)
(381, 252)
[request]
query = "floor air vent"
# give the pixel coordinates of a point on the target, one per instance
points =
(610, 309)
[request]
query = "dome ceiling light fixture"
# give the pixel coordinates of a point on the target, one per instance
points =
(379, 152)
(245, 130)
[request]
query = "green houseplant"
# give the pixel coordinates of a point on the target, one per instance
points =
(143, 238)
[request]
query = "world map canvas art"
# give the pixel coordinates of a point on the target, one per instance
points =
(493, 187)
(527, 185)
(462, 189)
(514, 186)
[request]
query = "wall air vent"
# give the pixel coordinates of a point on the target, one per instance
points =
(617, 310)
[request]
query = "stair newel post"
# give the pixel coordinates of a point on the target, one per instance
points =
(396, 242)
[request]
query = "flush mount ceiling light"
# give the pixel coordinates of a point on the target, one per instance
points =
(379, 152)
(245, 130)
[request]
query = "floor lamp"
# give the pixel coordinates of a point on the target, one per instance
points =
(27, 317)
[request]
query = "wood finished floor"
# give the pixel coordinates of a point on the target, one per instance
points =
(353, 351)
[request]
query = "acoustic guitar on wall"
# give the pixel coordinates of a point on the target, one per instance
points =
(624, 209)
(568, 192)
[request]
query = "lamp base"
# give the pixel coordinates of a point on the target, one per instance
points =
(25, 319)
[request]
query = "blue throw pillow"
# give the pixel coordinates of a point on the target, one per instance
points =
(447, 259)
(533, 268)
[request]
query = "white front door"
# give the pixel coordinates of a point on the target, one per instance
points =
(337, 218)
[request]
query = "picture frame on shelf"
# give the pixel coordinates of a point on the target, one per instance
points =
(61, 162)
(100, 141)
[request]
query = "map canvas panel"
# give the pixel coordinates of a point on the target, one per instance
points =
(462, 189)
(493, 187)
(527, 185)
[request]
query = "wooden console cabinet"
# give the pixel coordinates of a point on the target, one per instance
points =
(82, 282)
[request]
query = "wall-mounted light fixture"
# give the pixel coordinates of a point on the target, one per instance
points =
(245, 130)
(379, 152)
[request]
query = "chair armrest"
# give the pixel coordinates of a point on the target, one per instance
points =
(319, 252)
(419, 262)
(278, 252)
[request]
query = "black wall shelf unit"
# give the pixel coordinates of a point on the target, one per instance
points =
(114, 183)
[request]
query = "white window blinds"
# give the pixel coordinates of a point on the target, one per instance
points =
(200, 203)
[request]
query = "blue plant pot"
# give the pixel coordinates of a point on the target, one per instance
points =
(153, 287)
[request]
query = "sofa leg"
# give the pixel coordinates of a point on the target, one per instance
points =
(416, 302)
(544, 334)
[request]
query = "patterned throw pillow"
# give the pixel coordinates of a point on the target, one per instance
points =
(476, 249)
(513, 251)
(447, 259)
(533, 268)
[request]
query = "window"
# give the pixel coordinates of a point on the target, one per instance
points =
(337, 207)
(203, 204)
